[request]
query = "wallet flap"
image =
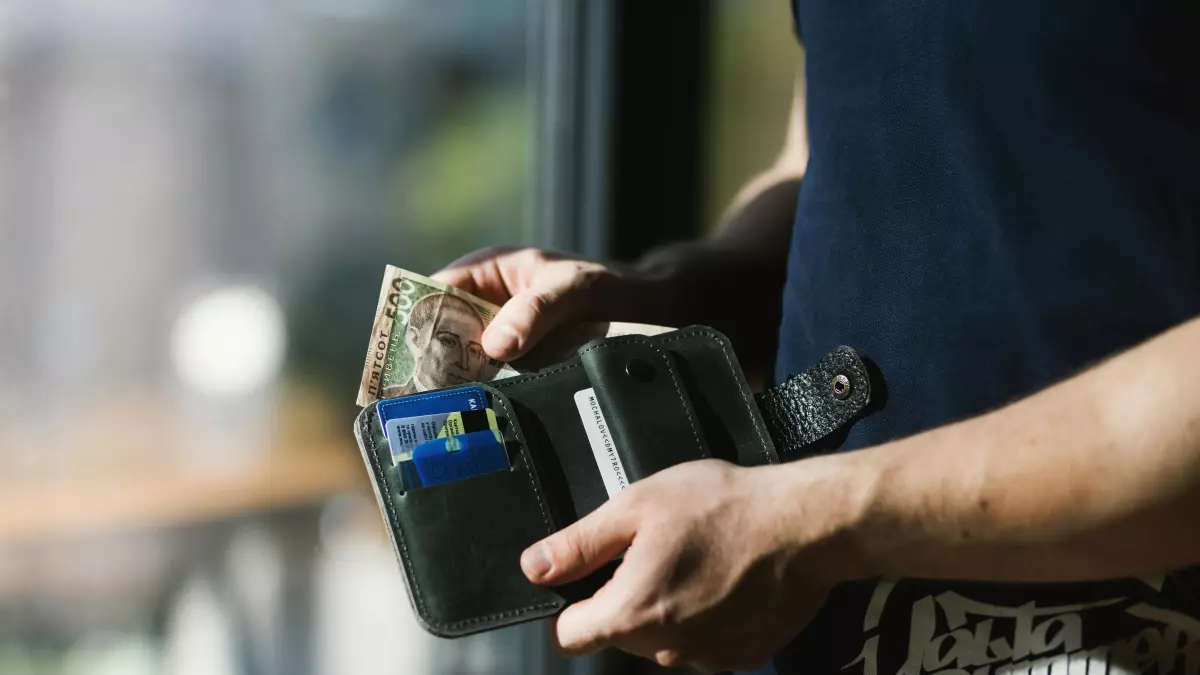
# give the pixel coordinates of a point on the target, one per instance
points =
(650, 417)
(806, 410)
(729, 417)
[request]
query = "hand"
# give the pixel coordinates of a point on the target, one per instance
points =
(720, 569)
(540, 290)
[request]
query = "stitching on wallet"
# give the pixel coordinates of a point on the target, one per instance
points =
(510, 381)
(729, 360)
(370, 439)
(674, 381)
(500, 615)
(528, 464)
(430, 398)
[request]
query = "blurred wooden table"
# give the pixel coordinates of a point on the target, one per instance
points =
(86, 503)
(145, 461)
(103, 521)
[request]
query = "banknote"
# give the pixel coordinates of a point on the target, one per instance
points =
(428, 335)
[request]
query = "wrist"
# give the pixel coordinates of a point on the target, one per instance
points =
(830, 535)
(912, 511)
(668, 282)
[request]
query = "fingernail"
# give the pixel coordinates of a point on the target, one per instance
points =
(499, 341)
(536, 561)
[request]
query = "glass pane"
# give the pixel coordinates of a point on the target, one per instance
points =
(197, 200)
(754, 61)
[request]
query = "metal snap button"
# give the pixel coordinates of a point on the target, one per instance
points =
(840, 387)
(639, 370)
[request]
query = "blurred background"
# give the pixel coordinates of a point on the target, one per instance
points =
(197, 200)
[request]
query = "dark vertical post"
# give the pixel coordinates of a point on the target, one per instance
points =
(621, 87)
(660, 95)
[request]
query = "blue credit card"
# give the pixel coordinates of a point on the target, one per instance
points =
(471, 397)
(452, 458)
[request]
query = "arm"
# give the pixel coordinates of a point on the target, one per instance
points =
(732, 280)
(1097, 477)
(744, 262)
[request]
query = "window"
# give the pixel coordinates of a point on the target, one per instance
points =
(197, 201)
(755, 55)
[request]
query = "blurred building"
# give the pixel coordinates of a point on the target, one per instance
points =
(197, 199)
(175, 179)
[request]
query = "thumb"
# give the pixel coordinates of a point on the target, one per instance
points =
(529, 315)
(582, 548)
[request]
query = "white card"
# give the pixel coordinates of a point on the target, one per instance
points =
(600, 438)
(406, 433)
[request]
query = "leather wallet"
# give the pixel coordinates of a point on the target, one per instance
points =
(667, 399)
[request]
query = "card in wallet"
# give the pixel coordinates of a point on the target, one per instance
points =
(576, 433)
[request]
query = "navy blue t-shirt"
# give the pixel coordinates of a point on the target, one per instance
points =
(999, 194)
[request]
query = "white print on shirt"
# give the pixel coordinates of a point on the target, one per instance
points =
(1041, 641)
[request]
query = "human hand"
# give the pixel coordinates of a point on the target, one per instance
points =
(723, 565)
(540, 290)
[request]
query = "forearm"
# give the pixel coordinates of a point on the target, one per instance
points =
(733, 280)
(1098, 477)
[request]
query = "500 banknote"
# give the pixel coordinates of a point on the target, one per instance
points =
(428, 335)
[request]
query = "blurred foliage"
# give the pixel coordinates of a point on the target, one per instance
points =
(463, 183)
(754, 63)
(329, 324)
(462, 186)
(474, 167)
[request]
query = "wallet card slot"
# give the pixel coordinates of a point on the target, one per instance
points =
(463, 542)
(644, 404)
(460, 542)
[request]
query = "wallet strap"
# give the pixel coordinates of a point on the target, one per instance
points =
(801, 413)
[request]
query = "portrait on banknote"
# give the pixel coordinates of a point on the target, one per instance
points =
(443, 341)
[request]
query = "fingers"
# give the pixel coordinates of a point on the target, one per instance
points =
(479, 272)
(493, 273)
(592, 624)
(582, 548)
(532, 313)
(621, 615)
(458, 277)
(576, 552)
(538, 292)
(475, 258)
